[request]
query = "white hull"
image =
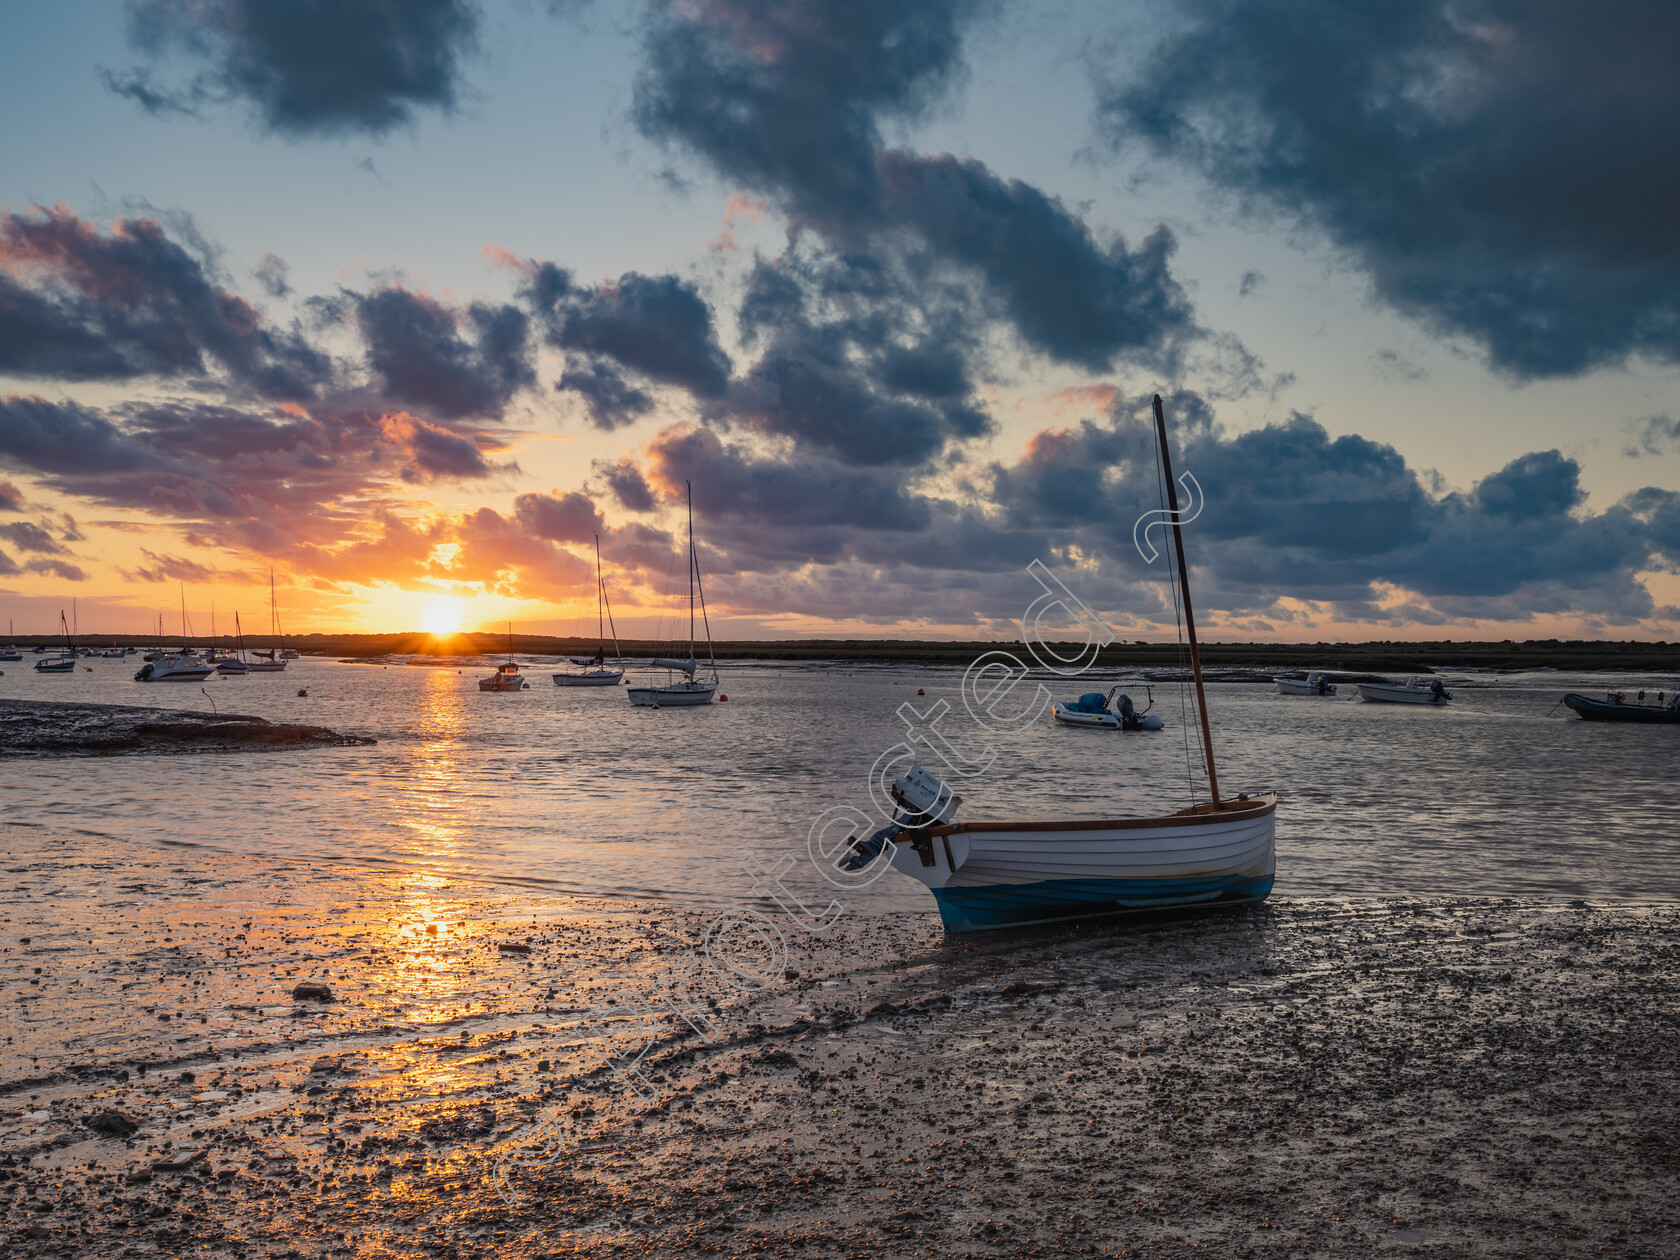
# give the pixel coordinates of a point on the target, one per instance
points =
(1394, 693)
(674, 696)
(1073, 717)
(174, 669)
(495, 684)
(999, 874)
(593, 678)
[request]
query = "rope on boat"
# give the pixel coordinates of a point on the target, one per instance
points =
(1184, 721)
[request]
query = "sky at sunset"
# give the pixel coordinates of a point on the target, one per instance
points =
(408, 300)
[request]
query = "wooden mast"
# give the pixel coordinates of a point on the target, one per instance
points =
(1189, 617)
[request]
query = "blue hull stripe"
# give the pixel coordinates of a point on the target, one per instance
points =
(1014, 905)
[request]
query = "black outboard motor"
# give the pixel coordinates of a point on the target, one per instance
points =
(144, 673)
(1128, 713)
(1439, 691)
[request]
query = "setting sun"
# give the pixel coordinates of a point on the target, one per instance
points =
(442, 617)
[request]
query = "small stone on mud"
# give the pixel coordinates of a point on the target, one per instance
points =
(116, 1123)
(313, 992)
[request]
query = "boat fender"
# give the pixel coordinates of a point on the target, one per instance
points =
(1150, 722)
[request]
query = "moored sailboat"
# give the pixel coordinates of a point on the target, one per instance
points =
(65, 661)
(692, 690)
(1010, 873)
(271, 660)
(595, 672)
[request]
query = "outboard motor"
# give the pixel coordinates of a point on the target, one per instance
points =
(923, 802)
(1439, 691)
(1128, 713)
(144, 674)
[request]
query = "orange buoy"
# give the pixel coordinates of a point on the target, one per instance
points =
(920, 692)
(722, 698)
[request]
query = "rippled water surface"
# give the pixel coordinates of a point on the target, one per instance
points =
(1500, 792)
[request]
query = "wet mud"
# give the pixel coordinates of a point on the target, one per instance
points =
(256, 1064)
(50, 728)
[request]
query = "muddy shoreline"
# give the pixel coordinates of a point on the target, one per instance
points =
(54, 728)
(1406, 1076)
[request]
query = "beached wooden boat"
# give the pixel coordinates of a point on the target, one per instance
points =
(1614, 708)
(1000, 874)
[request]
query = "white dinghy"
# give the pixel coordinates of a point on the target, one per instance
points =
(1000, 874)
(1412, 691)
(1092, 710)
(1314, 684)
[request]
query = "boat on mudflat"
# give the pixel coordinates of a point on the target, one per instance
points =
(1012, 873)
(1614, 708)
(1412, 691)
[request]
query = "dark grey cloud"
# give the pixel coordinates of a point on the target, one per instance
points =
(571, 517)
(1493, 165)
(304, 67)
(28, 537)
(81, 304)
(866, 359)
(868, 328)
(11, 498)
(625, 482)
(268, 477)
(610, 401)
(1291, 511)
(272, 274)
(48, 566)
(790, 96)
(636, 329)
(1655, 435)
(416, 346)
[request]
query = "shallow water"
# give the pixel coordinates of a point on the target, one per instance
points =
(574, 791)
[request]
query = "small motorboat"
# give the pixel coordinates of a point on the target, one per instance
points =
(175, 668)
(1314, 684)
(1091, 709)
(1615, 708)
(1412, 691)
(506, 678)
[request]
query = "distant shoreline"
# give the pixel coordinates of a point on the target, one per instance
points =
(1379, 656)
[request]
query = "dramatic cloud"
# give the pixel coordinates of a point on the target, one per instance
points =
(79, 304)
(873, 326)
(1293, 512)
(270, 478)
(415, 345)
(655, 329)
(1492, 164)
(11, 498)
(306, 67)
(27, 537)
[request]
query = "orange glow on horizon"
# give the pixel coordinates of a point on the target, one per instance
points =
(442, 617)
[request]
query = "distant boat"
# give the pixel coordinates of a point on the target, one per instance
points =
(233, 664)
(1091, 709)
(272, 661)
(1002, 874)
(183, 666)
(65, 661)
(10, 652)
(595, 673)
(1614, 708)
(1412, 691)
(506, 677)
(691, 691)
(1314, 684)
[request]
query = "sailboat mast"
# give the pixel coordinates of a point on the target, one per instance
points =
(600, 625)
(690, 486)
(1184, 590)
